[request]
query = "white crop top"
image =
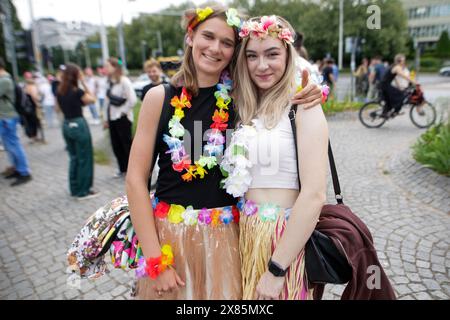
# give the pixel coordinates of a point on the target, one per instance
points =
(273, 157)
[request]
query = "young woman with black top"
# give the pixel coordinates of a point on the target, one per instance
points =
(71, 99)
(120, 100)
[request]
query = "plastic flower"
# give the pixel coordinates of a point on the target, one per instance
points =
(189, 174)
(233, 18)
(216, 137)
(179, 113)
(214, 150)
(325, 93)
(268, 22)
(172, 143)
(161, 209)
(236, 214)
(166, 256)
(190, 216)
(245, 31)
(204, 216)
(155, 201)
(202, 14)
(184, 164)
(153, 267)
(268, 212)
(140, 270)
(200, 170)
(176, 128)
(286, 35)
(240, 204)
(219, 126)
(215, 217)
(223, 99)
(226, 216)
(250, 208)
(220, 116)
(209, 162)
(175, 212)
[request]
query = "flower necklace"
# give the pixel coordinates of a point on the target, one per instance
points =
(181, 162)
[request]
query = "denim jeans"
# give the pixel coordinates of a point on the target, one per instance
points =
(93, 109)
(13, 146)
(81, 156)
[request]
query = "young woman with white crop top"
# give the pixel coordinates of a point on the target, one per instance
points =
(276, 217)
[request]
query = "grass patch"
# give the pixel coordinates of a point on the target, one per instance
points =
(332, 106)
(101, 157)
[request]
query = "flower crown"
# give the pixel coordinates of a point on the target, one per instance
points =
(233, 19)
(267, 26)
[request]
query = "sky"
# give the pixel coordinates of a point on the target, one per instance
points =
(89, 10)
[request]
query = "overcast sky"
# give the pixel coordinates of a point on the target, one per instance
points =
(88, 10)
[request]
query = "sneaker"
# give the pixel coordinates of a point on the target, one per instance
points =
(21, 180)
(90, 195)
(119, 174)
(14, 174)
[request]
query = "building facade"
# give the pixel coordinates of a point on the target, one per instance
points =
(427, 19)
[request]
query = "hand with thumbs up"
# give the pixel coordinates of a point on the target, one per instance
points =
(310, 94)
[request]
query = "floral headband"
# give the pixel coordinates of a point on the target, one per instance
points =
(233, 19)
(268, 26)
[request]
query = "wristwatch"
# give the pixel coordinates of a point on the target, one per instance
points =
(276, 269)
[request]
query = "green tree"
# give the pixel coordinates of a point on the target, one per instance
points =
(443, 46)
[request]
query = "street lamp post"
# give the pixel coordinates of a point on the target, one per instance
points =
(34, 36)
(103, 36)
(341, 33)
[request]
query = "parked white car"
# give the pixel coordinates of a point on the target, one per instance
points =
(445, 71)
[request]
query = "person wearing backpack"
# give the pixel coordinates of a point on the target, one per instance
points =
(8, 130)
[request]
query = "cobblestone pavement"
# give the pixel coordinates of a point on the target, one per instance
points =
(380, 183)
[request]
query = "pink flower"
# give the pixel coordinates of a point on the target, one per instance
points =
(267, 22)
(244, 31)
(286, 35)
(250, 208)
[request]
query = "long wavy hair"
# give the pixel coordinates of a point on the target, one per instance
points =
(69, 79)
(270, 105)
(187, 75)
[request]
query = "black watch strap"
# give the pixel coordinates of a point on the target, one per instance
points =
(276, 269)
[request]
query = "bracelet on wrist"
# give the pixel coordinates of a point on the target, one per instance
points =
(153, 267)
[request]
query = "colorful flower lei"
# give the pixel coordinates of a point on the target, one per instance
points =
(216, 139)
(191, 217)
(267, 26)
(153, 267)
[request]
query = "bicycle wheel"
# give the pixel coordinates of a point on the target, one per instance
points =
(370, 115)
(423, 116)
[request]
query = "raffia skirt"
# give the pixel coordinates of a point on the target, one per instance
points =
(261, 226)
(206, 257)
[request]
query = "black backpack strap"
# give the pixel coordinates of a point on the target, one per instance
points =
(334, 175)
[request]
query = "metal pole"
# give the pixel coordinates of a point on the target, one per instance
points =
(34, 36)
(341, 33)
(158, 35)
(144, 51)
(103, 35)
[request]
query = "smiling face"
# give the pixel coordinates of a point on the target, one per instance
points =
(213, 44)
(266, 61)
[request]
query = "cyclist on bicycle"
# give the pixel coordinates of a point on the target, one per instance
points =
(393, 96)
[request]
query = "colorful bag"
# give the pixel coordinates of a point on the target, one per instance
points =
(109, 228)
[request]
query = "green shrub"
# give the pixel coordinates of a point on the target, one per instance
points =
(430, 63)
(136, 109)
(432, 149)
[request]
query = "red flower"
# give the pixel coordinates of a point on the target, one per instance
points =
(220, 116)
(235, 212)
(162, 209)
(180, 166)
(153, 267)
(219, 126)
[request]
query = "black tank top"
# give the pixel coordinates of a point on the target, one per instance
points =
(199, 193)
(388, 77)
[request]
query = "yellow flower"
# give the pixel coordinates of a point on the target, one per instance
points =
(166, 255)
(299, 88)
(179, 113)
(175, 212)
(202, 14)
(200, 170)
(222, 104)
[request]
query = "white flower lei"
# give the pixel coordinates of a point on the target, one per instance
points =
(235, 162)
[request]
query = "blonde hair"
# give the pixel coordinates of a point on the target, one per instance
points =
(271, 105)
(187, 75)
(152, 63)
